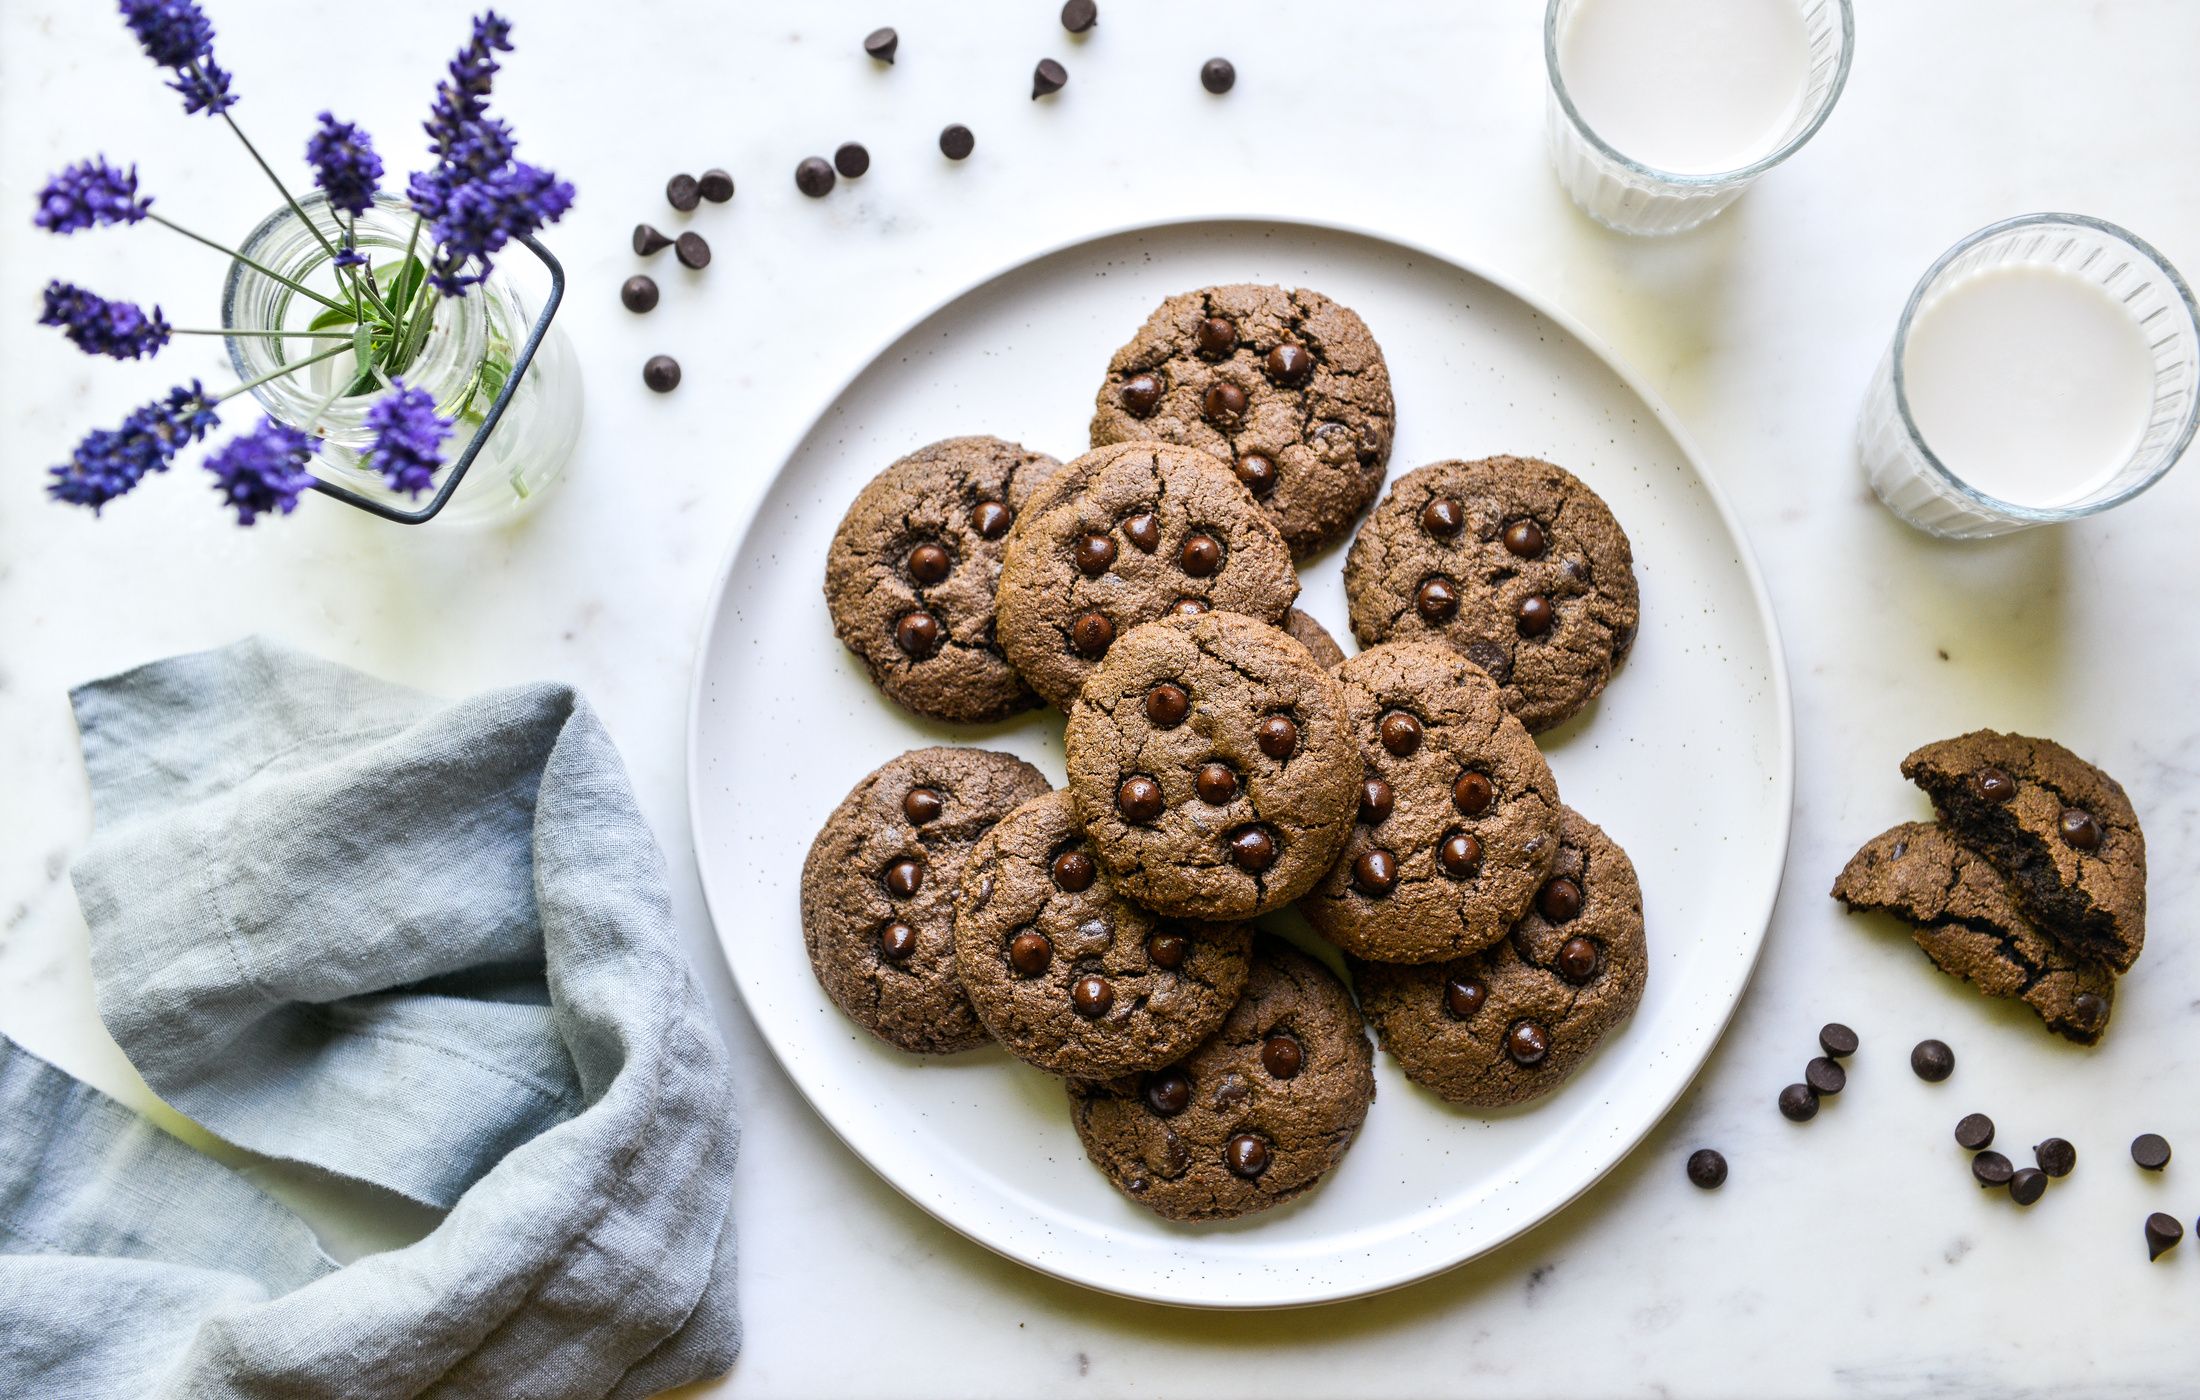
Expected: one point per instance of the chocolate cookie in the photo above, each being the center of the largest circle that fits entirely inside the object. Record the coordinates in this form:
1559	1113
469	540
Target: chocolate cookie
1069	975
1252	1118
1212	766
1458	818
878	891
1514	563
2059	828
1124	535
1508	1024
911	573
1287	386
1314	637
1964	915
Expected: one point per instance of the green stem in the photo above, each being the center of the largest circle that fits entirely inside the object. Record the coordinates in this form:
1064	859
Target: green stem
279	371
300	288
412	242
302	335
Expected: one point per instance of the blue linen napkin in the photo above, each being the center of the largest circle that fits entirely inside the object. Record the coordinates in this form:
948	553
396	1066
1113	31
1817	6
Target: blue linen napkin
414	942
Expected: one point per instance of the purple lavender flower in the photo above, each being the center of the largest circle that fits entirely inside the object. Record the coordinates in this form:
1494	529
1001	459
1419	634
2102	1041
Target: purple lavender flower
87	193
344	165
463	100
408	438
263	472
177	36
111	462
119	329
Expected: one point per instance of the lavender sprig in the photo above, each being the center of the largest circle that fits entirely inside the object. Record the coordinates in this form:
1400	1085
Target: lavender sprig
344	165
121	330
263	472
177	35
408	438
111	462
88	193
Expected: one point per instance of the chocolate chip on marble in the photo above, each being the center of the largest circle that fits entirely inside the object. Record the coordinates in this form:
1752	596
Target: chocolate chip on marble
648	241
1079	15
683	192
881	43
1707	1168
1992	1169
1218	75
2150	1151
2027	1185
661	373
814	177
692	250
715	186
1048	77
2163	1233
639	293
2056	1156
1974	1132
1798	1104
1824	1075
957	142
852	159
1932	1061
1837	1040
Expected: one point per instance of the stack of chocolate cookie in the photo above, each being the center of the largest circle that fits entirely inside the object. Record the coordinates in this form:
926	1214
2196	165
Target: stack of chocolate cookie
1225	761
2032	883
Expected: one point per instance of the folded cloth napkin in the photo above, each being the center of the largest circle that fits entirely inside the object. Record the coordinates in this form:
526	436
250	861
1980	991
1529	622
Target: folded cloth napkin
416	943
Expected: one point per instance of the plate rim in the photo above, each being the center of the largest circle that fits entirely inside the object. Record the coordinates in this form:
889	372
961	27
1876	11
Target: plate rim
1746	556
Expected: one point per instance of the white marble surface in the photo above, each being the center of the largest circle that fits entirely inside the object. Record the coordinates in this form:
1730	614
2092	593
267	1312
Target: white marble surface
1847	1257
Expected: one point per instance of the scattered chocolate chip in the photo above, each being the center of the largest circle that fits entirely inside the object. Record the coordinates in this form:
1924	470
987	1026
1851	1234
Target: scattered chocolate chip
1168	950
1472	794
1443	517
1144	531
922	804
896	941
661	373
1932	1061
692	250
1201	556
991	519
1095	554
1527	1043
917	634
2080	832
1030	953
1463	996
1166	705
1168	1092
2151	1151
648	241
1577	959
814	177
1707	1168
1253	848
2056	1157
956	142
639	293
1223	400
1281	1056
1218	75
1993	785
1079	15
1257	470
1400	733
1215	784
2163	1233
1837	1040
851	159
1992	1169
1798	1104
715	186
1375	872
683	192
1974	1132
1290	365
1558	900
1139	798
1216	335
1073	871
1048	77
1092	635
881	43
1141	394
929	563
1459	854
1247	1155
904	877
1437	599
1091	997
1535	615
1376	801
1524	538
2026	1185
1824	1075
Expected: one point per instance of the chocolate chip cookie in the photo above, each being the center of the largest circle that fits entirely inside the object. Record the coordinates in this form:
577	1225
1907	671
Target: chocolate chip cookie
878	891
1314	637
1069	975
1212	766
1964	914
2061	830
1513	562
1508	1024
1124	535
1285	385
1252	1118
911	574
1458	816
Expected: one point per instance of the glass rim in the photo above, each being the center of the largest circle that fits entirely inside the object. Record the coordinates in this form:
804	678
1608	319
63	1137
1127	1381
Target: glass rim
1712	179
2040	515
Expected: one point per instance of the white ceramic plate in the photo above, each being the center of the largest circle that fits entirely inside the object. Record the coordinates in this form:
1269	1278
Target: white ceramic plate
1687	761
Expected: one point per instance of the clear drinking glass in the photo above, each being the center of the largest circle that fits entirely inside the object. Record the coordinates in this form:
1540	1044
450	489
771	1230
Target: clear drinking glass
1919	487
1627	195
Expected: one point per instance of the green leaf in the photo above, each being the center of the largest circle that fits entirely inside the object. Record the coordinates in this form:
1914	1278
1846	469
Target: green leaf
334	316
494	373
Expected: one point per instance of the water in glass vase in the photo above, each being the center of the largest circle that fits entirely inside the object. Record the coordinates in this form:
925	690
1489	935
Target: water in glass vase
1692	87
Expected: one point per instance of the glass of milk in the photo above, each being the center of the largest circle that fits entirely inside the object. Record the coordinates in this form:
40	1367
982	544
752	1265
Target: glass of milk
1663	111
2046	368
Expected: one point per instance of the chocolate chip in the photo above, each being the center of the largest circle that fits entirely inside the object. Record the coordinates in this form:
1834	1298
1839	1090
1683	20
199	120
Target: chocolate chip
1167	950
1524	538
1824	1075
1798	1104
1932	1061
1218	75
1459	854
715	186
1290	365
1030	953
1215	784
896	941
1144	531
2087	1011
1277	736
1837	1040
1079	15
814	177
1257	470
1141	394
851	159
1400	732
2150	1151
956	142
661	373
1223	400
1139	798
991	519
1707	1168
1168	1092
1216	335
1047	77
1095	555
1246	1155
1074	871
692	251
1437	599
904	877
1463	996
2055	1156
1375	872
1974	1132
1558	900
917	634
1492	658
2026	1185
648	241
1091	997
881	43
639	293
928	563
1201	555
2163	1233
1993	785
683	192
1577	960
1375	801
2079	831
1472	794
1092	635
1527	1043
1187	607
1253	848
1443	517
1992	1169
1281	1056
922	804
1535	615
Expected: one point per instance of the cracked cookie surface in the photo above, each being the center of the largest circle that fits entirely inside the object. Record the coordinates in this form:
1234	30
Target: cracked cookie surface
1255	1116
878	888
1509	1024
1283	384
1511	561
1964	915
911	575
1212	766
1458	817
1070	976
1124	535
